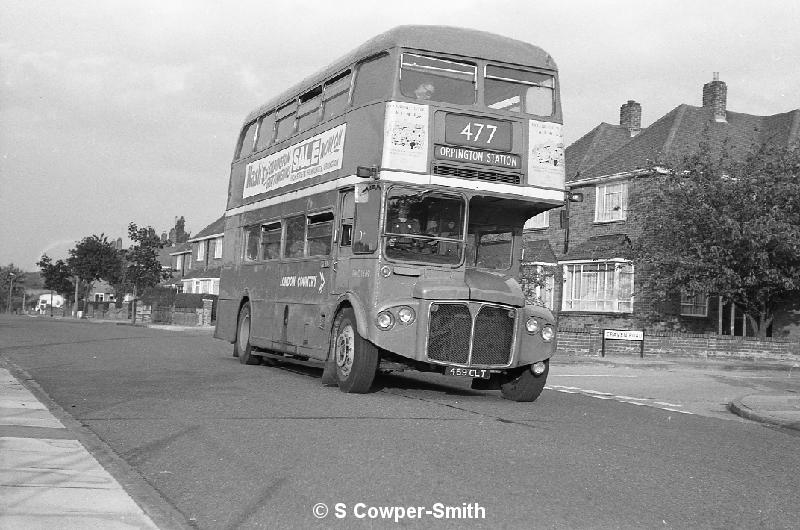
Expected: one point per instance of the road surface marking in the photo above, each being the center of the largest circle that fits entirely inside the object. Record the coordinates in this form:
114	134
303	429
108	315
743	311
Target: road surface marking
641	402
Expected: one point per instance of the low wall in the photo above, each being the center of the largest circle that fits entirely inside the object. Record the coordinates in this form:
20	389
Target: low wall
590	342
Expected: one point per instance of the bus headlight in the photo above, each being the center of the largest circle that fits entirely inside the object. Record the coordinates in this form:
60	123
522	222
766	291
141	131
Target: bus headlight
406	315
384	320
532	325
548	333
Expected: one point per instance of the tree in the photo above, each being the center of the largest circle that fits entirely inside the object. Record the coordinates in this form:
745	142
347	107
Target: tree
727	228
12	281
95	258
57	275
142	268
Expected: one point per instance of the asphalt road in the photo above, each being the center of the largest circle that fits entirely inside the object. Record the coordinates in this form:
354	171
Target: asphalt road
225	445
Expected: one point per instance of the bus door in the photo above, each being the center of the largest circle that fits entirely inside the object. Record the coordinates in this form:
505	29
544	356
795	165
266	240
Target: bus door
343	248
358	239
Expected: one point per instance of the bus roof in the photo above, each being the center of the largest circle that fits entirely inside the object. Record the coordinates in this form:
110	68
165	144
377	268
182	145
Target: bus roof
446	39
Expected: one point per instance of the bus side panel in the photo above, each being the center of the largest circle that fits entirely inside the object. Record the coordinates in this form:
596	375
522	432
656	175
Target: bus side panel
364	141
228	303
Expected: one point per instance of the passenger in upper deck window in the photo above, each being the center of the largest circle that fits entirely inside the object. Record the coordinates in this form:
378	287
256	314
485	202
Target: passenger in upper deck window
424	91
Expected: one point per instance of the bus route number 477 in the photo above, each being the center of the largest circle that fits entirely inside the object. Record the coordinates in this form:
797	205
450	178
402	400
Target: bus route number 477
467	131
457	371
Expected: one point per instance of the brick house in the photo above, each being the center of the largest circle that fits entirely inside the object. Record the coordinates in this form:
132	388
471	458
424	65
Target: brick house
586	242
200	263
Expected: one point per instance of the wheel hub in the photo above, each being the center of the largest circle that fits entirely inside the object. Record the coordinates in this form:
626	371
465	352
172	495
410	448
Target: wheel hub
345	345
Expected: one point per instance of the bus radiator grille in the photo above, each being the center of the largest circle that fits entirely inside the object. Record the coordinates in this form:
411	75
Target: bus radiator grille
449	333
468	173
494	334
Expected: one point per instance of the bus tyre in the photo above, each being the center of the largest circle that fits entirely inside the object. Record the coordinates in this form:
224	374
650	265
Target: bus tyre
242	348
522	385
356	358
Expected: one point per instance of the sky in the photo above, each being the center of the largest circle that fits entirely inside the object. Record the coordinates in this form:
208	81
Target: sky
114	112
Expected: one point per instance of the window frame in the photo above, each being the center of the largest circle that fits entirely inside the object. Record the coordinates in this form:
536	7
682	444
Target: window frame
246	235
270	226
268	118
250	126
602	212
284	114
309	104
332	90
691	302
540	221
569	300
330	218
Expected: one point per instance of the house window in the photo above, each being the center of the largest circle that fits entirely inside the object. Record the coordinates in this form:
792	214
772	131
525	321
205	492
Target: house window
201	251
179	262
602	287
611	203
218	248
541	220
694	305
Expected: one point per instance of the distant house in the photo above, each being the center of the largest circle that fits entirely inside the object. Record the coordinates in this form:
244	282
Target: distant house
200	264
596	283
174	259
101	291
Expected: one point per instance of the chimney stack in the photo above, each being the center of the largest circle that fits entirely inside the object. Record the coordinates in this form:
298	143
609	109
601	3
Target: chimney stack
630	117
715	96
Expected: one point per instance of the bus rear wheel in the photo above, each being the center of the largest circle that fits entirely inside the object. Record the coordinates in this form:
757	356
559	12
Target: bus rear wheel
523	385
242	348
356	358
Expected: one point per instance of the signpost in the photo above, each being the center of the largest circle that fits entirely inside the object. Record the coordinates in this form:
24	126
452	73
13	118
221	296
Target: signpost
619	334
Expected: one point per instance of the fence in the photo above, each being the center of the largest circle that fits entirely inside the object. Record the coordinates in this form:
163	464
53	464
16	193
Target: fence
205	315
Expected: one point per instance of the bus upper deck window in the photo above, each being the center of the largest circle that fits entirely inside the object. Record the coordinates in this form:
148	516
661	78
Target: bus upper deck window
248	138
519	90
285	121
373	80
335	95
308	111
429	78
265	131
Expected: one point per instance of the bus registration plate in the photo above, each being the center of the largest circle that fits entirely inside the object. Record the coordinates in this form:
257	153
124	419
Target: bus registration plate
458	371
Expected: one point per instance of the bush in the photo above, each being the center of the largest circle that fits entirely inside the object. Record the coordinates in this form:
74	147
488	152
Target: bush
158	296
193	300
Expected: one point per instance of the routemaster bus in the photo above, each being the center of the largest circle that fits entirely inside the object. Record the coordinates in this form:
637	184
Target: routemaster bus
375	213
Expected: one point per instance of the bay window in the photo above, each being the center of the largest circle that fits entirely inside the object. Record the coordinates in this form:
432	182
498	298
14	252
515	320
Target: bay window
598	286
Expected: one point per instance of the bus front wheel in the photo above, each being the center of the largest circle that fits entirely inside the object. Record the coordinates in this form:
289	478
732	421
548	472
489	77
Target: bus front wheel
356	358
523	385
242	348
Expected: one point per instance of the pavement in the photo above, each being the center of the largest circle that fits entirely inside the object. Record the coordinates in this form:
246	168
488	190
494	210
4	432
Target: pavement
49	479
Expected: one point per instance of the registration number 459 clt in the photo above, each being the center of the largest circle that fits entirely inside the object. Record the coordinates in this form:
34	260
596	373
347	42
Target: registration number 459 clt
457	371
